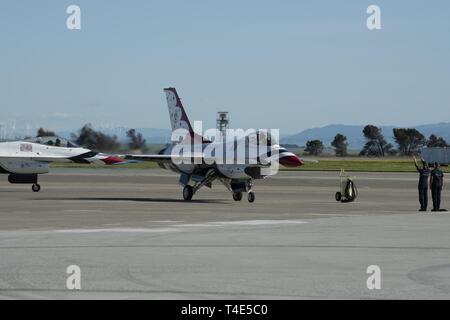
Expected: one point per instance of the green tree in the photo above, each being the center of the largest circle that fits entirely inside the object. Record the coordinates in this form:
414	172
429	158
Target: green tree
340	145
314	147
44	133
409	140
92	139
376	145
137	142
436	142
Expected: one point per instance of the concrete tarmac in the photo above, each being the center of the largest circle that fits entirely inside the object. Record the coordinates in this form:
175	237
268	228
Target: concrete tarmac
133	237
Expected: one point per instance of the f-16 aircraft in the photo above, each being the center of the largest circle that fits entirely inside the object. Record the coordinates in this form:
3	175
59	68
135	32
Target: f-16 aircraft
261	152
24	160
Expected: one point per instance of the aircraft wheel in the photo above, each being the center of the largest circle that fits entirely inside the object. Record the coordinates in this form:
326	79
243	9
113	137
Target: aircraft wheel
251	197
36	187
188	193
338	196
237	196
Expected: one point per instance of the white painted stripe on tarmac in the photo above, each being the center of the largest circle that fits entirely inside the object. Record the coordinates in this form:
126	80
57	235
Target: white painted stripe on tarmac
119	230
245	223
184	227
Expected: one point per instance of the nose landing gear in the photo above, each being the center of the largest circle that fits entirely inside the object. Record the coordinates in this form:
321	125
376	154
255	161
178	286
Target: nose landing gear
25	179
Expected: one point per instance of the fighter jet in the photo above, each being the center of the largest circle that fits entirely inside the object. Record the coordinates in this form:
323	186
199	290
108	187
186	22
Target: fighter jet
24	160
195	158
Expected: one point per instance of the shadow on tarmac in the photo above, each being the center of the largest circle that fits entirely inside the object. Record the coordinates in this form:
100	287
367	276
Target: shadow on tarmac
168	200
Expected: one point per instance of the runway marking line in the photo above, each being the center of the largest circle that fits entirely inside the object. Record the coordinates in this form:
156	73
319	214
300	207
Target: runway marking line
187	226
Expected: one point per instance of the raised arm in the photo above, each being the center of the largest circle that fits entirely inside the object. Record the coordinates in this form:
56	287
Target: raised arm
415	163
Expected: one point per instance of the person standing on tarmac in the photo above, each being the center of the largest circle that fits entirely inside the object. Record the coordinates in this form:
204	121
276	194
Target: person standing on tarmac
436	183
424	175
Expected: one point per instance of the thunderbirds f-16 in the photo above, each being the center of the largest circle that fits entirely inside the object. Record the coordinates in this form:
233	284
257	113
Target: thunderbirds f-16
198	159
24	160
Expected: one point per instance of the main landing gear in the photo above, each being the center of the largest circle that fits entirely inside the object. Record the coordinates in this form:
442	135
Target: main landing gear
240	188
36	187
237	196
237	187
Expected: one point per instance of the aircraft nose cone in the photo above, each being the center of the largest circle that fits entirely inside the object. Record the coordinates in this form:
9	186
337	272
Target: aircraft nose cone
291	161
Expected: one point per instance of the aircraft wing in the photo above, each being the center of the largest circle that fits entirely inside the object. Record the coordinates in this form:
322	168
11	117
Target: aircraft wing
33	158
167	158
161	158
149	157
91	157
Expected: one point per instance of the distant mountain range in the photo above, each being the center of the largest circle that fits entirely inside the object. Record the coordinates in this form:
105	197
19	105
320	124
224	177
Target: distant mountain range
355	136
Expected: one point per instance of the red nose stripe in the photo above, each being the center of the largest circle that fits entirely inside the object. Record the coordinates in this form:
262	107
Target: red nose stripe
291	161
112	160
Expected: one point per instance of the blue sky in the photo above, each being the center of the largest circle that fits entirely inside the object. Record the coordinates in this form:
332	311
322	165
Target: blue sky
272	64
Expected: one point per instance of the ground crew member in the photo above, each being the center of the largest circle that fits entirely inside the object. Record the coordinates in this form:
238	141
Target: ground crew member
436	183
424	175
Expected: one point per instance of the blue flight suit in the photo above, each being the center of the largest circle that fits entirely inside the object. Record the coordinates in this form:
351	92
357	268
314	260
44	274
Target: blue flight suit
436	188
424	175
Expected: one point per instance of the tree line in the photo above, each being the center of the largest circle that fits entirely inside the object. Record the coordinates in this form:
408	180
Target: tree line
93	139
409	141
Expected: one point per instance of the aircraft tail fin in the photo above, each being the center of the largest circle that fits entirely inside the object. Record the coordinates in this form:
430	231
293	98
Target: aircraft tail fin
178	116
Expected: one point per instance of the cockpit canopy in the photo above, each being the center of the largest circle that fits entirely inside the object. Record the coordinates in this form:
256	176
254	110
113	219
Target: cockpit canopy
262	137
54	141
